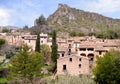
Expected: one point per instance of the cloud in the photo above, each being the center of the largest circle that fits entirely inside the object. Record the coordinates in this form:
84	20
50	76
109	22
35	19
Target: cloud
104	6
5	17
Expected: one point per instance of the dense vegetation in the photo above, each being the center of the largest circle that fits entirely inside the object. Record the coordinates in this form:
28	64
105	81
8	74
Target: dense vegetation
5	30
2	41
106	34
26	64
107	70
40	25
46	53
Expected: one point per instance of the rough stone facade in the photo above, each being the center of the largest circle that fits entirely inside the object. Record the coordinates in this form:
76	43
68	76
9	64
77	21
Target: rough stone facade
76	55
85	49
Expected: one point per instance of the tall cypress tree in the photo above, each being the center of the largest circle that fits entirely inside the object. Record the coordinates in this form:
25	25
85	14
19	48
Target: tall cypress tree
54	48
37	46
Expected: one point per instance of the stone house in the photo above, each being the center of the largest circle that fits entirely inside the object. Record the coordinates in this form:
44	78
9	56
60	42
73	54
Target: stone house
30	40
78	55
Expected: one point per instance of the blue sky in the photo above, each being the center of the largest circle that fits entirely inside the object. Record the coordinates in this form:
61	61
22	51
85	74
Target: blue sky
24	12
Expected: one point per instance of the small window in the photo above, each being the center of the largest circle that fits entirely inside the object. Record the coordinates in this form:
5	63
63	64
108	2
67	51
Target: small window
69	50
42	41
82	49
90	49
70	59
62	54
100	52
69	45
29	40
91	59
80	59
79	65
64	67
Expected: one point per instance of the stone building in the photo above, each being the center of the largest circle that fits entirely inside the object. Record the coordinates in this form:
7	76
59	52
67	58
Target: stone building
78	55
30	40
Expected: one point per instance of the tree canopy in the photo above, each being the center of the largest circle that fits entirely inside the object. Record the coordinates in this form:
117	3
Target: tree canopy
41	20
46	52
5	30
26	64
40	25
107	70
2	41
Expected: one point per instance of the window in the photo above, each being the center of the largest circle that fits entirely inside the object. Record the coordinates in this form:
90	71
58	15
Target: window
90	49
69	45
80	59
91	59
79	65
69	50
100	52
62	54
64	67
29	40
82	49
42	41
70	59
82	54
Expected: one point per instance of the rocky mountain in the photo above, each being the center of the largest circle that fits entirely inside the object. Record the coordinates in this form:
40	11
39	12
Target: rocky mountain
69	19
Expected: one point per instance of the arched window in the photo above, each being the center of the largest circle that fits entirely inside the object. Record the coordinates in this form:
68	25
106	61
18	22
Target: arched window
91	56
82	54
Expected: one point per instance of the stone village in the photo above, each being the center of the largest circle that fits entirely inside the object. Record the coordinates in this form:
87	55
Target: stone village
76	55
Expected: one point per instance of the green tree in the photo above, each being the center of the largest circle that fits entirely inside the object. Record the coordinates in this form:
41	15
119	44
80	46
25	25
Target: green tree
40	25
26	64
5	30
41	21
80	34
54	51
26	28
37	46
109	34
46	52
72	34
2	41
107	70
54	47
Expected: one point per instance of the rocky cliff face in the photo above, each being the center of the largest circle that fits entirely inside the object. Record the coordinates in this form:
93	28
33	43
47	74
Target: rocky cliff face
70	19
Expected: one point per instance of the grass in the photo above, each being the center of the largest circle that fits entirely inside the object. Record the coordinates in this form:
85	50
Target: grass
3	80
68	79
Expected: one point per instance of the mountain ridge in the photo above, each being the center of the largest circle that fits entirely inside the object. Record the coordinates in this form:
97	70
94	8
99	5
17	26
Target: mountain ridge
71	19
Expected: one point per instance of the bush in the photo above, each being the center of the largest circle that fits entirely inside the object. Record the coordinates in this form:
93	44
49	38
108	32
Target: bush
108	34
5	30
9	55
73	34
2	41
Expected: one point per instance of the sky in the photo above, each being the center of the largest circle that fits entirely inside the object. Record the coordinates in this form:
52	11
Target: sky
23	12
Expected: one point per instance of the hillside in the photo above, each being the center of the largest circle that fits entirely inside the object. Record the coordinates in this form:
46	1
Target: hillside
69	19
